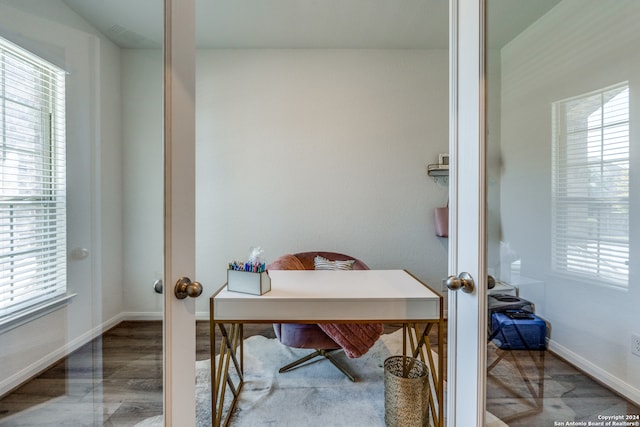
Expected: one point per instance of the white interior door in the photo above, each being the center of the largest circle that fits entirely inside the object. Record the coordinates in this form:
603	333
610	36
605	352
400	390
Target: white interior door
570	253
179	197
467	311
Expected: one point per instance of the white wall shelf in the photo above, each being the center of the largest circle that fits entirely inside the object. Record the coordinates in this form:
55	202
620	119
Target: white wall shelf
438	172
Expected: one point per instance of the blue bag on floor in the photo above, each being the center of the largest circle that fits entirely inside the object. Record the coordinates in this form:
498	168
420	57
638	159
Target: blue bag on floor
518	330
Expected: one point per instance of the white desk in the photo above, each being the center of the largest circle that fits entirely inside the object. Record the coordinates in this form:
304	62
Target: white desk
313	296
316	296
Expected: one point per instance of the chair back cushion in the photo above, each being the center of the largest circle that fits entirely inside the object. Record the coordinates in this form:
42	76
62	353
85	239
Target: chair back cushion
286	262
306	258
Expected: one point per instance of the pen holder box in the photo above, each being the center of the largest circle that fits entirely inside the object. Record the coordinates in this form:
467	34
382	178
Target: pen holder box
248	282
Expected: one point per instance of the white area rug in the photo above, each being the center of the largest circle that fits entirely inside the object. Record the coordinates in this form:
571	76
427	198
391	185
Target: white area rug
314	395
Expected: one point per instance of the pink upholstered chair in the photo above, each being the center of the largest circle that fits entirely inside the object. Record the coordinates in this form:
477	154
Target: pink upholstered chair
311	336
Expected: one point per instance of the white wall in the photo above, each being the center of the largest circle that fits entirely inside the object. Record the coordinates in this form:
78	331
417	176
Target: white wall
94	184
143	174
494	162
576	48
297	150
302	150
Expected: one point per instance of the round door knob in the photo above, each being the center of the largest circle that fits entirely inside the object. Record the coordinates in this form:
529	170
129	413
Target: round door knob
491	282
464	281
186	288
157	286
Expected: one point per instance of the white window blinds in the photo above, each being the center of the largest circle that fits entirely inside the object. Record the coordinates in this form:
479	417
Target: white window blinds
32	181
590	230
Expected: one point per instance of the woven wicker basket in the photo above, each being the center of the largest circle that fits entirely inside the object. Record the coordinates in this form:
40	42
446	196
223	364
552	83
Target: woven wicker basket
406	394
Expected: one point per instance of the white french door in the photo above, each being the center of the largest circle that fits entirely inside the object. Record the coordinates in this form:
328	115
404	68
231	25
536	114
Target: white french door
179	216
542	199
467	311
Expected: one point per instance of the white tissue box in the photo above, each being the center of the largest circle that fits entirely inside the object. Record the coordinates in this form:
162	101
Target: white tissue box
248	282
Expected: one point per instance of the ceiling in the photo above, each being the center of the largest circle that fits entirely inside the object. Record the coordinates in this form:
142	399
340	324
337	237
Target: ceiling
237	24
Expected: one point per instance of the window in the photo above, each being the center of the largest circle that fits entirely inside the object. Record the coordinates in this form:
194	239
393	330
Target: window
591	186
32	182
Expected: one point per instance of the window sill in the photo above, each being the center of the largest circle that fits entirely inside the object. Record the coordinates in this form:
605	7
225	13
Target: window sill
14	320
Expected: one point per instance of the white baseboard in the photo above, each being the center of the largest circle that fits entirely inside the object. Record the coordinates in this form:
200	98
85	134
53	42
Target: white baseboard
143	315
625	389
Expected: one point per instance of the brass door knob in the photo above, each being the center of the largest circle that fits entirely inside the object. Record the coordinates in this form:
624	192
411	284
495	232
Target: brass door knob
464	281
186	288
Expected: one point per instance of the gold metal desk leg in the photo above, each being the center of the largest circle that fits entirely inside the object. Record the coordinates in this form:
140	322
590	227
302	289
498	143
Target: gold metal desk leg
421	348
222	378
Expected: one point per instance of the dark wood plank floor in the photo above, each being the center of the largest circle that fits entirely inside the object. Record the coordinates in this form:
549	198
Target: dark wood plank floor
116	380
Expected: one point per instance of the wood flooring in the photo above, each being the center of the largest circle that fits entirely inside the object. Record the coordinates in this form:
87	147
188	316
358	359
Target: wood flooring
116	380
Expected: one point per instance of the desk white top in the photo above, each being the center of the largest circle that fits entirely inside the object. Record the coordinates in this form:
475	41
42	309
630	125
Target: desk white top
317	296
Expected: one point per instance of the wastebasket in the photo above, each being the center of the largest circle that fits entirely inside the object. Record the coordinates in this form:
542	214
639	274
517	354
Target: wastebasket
406	392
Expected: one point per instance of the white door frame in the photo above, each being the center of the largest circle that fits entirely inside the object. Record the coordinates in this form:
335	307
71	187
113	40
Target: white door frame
179	211
467	232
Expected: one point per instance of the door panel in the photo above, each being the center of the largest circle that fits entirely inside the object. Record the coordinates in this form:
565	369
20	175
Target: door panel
467	316
112	132
561	140
179	132
558	95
